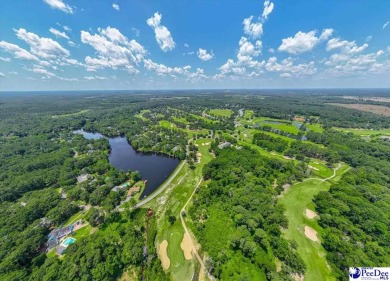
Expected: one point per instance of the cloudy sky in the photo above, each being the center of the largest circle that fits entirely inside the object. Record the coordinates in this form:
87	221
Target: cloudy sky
180	44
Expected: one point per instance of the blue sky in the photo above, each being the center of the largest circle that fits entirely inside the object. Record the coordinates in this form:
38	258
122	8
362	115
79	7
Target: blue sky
122	44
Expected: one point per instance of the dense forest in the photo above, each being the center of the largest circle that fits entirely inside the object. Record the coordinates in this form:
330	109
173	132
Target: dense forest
41	159
241	202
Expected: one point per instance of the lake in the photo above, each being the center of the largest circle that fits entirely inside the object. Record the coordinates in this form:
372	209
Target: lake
155	168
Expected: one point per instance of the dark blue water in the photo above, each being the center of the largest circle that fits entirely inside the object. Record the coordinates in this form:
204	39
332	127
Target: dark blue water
155	168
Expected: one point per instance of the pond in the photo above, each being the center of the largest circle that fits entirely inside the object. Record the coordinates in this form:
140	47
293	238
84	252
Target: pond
155	168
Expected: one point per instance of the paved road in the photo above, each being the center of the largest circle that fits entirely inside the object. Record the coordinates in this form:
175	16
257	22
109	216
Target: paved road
161	188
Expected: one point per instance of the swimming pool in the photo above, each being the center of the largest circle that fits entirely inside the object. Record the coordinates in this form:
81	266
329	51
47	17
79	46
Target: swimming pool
68	241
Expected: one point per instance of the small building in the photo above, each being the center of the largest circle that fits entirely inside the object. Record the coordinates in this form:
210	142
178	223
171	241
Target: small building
385	138
241	112
132	190
56	234
117	188
223	145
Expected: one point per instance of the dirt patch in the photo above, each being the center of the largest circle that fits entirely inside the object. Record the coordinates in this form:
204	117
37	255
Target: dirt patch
186	246
311	233
376	109
288	158
380	99
310	214
298	277
165	262
202	274
314	168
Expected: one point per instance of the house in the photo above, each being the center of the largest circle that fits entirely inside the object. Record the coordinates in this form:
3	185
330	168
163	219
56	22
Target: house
134	189
223	145
117	188
56	234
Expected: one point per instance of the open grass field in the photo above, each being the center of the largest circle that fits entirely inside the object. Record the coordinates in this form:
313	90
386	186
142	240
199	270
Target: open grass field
297	199
315	128
221	112
173	199
375	109
320	169
191	133
141	114
365	132
167	124
71	114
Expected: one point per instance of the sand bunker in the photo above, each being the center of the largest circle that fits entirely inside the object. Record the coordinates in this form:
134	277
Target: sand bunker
311	233
186	246
288	158
165	262
310	214
198	154
314	168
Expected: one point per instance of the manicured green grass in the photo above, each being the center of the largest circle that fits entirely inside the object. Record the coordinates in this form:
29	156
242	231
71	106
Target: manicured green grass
51	254
365	132
141	114
248	114
142	185
180	120
323	170
191	133
82	232
315	128
167	124
221	112
173	199
71	114
79	215
296	199
207	120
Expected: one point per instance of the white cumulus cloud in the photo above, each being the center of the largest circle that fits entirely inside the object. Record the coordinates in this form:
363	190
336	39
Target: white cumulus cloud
162	34
268	7
115	6
204	55
40	46
303	42
59	5
114	50
18	52
58	33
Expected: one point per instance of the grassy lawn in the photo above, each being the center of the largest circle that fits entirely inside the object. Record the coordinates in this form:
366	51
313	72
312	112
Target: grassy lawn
296	200
180	120
221	112
79	215
142	185
323	170
82	232
248	114
173	199
315	128
364	132
71	114
141	114
167	124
